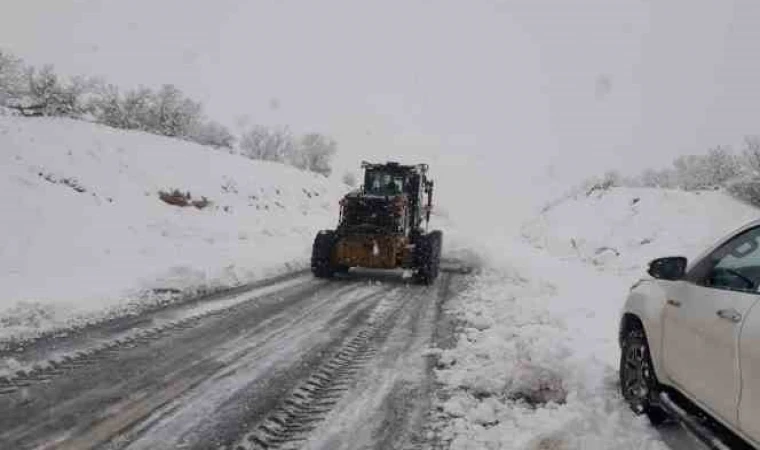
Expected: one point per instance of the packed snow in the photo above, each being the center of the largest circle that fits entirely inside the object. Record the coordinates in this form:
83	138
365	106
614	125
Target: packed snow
85	234
535	363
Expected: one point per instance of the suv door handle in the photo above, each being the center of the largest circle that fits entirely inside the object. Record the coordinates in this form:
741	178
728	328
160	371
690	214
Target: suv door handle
675	303
729	314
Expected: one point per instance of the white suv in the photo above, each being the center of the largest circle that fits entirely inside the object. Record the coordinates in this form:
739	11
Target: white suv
690	335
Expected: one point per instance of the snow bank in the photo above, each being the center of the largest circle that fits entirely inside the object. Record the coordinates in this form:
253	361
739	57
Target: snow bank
85	234
623	228
535	364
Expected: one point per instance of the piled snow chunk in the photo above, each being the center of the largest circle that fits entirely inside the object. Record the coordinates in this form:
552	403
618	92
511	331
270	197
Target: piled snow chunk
533	379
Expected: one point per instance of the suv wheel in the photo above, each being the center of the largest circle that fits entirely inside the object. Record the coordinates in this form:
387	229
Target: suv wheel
638	382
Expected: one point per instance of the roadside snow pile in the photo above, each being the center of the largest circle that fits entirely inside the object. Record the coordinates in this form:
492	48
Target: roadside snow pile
536	361
533	369
103	221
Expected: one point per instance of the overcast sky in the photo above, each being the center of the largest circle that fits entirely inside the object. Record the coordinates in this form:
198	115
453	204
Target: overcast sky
510	87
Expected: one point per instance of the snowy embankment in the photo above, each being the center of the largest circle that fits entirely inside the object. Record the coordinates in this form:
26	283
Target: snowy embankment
535	365
85	235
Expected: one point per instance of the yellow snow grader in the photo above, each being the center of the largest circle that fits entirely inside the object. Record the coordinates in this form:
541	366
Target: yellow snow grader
383	225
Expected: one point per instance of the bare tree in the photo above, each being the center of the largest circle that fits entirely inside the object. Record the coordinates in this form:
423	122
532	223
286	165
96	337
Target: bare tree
723	165
45	92
12	78
751	154
658	178
312	151
695	172
172	114
49	95
137	109
130	111
82	92
268	144
166	111
315	153
108	107
213	134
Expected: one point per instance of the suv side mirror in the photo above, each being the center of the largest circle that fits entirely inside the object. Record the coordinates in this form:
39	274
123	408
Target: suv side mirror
669	268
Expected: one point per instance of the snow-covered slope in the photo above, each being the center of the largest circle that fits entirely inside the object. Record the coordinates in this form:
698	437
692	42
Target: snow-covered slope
535	364
626	227
84	232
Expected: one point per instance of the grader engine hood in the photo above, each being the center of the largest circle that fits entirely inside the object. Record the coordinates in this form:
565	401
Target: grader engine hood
371	232
363	213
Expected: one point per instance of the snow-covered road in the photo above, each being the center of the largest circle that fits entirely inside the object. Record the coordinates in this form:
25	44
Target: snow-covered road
326	364
102	341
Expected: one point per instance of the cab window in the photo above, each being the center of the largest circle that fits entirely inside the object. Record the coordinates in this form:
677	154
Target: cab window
380	183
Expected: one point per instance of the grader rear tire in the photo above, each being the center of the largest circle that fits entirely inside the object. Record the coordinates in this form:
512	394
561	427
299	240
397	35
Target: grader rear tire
428	257
321	255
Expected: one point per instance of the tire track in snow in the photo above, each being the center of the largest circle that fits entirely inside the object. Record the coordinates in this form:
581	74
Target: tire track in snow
259	365
298	360
388	406
39	348
300	412
62	364
90	394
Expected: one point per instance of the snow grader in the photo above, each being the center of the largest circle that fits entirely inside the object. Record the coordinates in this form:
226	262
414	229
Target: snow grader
383	225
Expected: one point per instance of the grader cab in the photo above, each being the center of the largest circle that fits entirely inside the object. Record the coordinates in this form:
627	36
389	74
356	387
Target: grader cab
383	225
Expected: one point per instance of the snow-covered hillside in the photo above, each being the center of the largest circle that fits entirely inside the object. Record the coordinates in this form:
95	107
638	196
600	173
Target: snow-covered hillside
85	234
535	364
626	227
